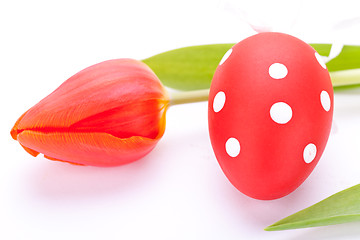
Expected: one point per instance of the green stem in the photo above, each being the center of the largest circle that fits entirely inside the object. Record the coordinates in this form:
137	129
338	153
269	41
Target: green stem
345	77
338	79
189	96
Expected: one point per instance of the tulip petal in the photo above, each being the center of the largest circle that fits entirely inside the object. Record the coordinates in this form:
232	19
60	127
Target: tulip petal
15	130
58	160
30	151
96	149
108	114
126	121
100	90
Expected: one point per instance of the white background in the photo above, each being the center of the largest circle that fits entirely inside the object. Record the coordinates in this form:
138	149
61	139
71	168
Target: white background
178	191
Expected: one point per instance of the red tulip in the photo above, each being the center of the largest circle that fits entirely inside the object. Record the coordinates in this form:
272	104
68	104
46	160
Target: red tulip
108	114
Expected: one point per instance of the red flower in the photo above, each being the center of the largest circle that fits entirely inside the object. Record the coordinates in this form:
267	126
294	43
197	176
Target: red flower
108	114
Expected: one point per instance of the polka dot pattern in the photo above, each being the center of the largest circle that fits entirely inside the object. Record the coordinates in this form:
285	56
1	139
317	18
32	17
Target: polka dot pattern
270	113
325	100
232	147
281	112
309	153
278	71
219	101
226	56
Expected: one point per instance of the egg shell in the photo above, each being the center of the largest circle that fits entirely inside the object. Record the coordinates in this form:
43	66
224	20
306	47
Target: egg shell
270	113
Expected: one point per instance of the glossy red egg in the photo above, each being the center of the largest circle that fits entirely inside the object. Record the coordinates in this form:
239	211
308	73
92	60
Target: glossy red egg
270	113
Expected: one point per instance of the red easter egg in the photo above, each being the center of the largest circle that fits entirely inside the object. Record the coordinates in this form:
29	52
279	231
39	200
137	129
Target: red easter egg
270	113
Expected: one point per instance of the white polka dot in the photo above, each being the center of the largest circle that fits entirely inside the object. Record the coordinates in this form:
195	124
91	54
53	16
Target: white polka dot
325	100
219	101
320	60
226	56
281	112
309	153
278	71
232	147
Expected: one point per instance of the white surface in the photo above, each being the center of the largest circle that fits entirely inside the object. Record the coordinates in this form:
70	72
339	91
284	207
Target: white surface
278	71
281	112
178	191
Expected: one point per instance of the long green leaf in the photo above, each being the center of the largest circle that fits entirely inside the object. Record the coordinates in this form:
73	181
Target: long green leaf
339	208
192	68
189	68
349	58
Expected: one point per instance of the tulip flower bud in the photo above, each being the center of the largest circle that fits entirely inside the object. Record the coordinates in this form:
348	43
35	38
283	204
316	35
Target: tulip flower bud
108	114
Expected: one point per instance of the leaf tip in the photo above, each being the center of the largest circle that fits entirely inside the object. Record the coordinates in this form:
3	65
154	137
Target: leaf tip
271	228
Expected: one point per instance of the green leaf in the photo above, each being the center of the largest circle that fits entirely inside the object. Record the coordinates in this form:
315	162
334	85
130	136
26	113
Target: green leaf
189	68
339	208
349	58
192	68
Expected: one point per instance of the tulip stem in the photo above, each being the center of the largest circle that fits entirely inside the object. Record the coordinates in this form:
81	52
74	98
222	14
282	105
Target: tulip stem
338	78
345	77
189	96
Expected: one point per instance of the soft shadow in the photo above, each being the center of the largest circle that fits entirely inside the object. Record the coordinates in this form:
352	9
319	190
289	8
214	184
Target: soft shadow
346	103
57	180
352	89
341	231
262	213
